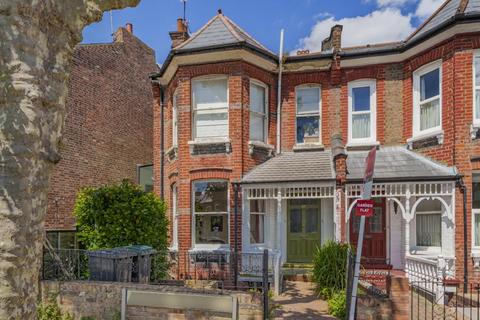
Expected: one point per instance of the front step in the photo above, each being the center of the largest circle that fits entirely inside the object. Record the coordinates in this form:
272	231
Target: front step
298	272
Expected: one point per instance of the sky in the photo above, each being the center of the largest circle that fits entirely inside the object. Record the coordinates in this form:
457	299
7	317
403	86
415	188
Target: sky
306	22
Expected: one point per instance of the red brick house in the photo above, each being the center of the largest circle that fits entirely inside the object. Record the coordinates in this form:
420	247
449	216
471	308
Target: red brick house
293	170
108	129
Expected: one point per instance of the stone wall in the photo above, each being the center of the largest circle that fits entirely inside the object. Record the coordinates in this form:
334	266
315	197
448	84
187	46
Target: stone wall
102	300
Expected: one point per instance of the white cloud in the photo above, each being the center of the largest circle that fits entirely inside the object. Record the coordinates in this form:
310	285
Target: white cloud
427	7
392	3
383	25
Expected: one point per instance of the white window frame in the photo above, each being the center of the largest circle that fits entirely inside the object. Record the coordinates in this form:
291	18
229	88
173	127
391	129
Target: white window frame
309	114
206	246
416	99
430	248
475	211
174	243
174	120
264	220
476	86
372	84
264	115
217	110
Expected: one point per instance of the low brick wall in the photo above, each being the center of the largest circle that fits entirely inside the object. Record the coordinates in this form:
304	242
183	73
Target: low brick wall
102	300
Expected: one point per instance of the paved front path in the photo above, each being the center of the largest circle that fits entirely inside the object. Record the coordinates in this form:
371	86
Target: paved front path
298	301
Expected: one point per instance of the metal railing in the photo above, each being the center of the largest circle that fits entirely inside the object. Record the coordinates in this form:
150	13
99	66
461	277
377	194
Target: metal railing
456	302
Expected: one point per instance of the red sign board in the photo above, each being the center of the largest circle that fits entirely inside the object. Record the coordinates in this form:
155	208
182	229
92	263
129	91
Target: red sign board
364	207
369	165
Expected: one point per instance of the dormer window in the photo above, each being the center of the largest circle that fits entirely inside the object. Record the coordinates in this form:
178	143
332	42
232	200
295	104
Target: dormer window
258	111
210	108
308	103
362	105
427	101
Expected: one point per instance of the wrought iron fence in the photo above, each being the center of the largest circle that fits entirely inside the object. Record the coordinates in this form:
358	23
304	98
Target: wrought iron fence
444	300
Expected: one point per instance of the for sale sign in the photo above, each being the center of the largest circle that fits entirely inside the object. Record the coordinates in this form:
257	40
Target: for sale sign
364	207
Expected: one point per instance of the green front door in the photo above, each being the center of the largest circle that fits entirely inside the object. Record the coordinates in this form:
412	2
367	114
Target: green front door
303	230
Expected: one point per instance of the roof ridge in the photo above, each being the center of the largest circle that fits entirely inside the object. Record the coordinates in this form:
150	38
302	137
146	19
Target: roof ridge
246	33
428	20
230	28
196	34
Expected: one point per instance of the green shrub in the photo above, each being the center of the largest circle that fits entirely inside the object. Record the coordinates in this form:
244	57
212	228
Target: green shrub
337	304
120	215
51	311
330	268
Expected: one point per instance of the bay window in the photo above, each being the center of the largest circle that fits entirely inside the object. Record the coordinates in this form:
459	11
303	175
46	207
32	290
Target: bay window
476	87
257	221
362	112
476	209
258	112
308	120
210	210
427	99
428	219
210	108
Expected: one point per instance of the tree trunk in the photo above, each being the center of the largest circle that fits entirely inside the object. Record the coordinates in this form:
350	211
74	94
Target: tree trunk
37	38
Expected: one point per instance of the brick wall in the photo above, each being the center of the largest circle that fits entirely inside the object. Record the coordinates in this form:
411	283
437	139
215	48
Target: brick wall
108	128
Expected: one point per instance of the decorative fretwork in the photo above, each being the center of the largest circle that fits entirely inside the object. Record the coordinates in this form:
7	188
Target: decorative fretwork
407	189
306	192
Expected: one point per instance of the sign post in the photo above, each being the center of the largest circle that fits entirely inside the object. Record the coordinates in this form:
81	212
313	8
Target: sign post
364	208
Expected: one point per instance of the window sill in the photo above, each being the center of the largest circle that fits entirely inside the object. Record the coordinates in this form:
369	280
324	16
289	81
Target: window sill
263	147
173	249
352	146
476	257
172	153
426	140
308	147
475	131
210	248
210	146
426	252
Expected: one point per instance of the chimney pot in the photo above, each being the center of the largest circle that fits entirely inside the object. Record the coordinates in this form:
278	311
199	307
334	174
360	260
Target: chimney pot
181	25
129	28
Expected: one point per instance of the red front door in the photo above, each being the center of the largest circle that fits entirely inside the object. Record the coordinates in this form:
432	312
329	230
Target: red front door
374	241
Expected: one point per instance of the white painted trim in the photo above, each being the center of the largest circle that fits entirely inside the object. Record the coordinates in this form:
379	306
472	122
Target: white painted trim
174	224
175	120
475	86
372	84
200	247
192	95
267	109
417	133
310	85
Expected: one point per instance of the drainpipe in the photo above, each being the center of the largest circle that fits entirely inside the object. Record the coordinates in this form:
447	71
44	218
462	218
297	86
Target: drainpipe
235	232
279	93
463	189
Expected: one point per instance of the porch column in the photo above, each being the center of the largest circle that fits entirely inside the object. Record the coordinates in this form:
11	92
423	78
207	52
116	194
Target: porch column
279	219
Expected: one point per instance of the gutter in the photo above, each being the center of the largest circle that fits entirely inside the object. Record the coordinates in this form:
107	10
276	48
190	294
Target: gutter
222	47
287	181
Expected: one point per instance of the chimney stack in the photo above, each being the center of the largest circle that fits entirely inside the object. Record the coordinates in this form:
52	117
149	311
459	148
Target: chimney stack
334	41
129	27
181	35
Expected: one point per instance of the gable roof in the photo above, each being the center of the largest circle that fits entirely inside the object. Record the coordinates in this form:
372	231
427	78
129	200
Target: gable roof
398	163
446	13
220	30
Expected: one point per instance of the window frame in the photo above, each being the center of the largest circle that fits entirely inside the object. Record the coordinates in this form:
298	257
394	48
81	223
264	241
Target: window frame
207	246
256	113
360	83
264	214
174	242
429	248
417	74
475	86
175	120
309	114
475	211
194	110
